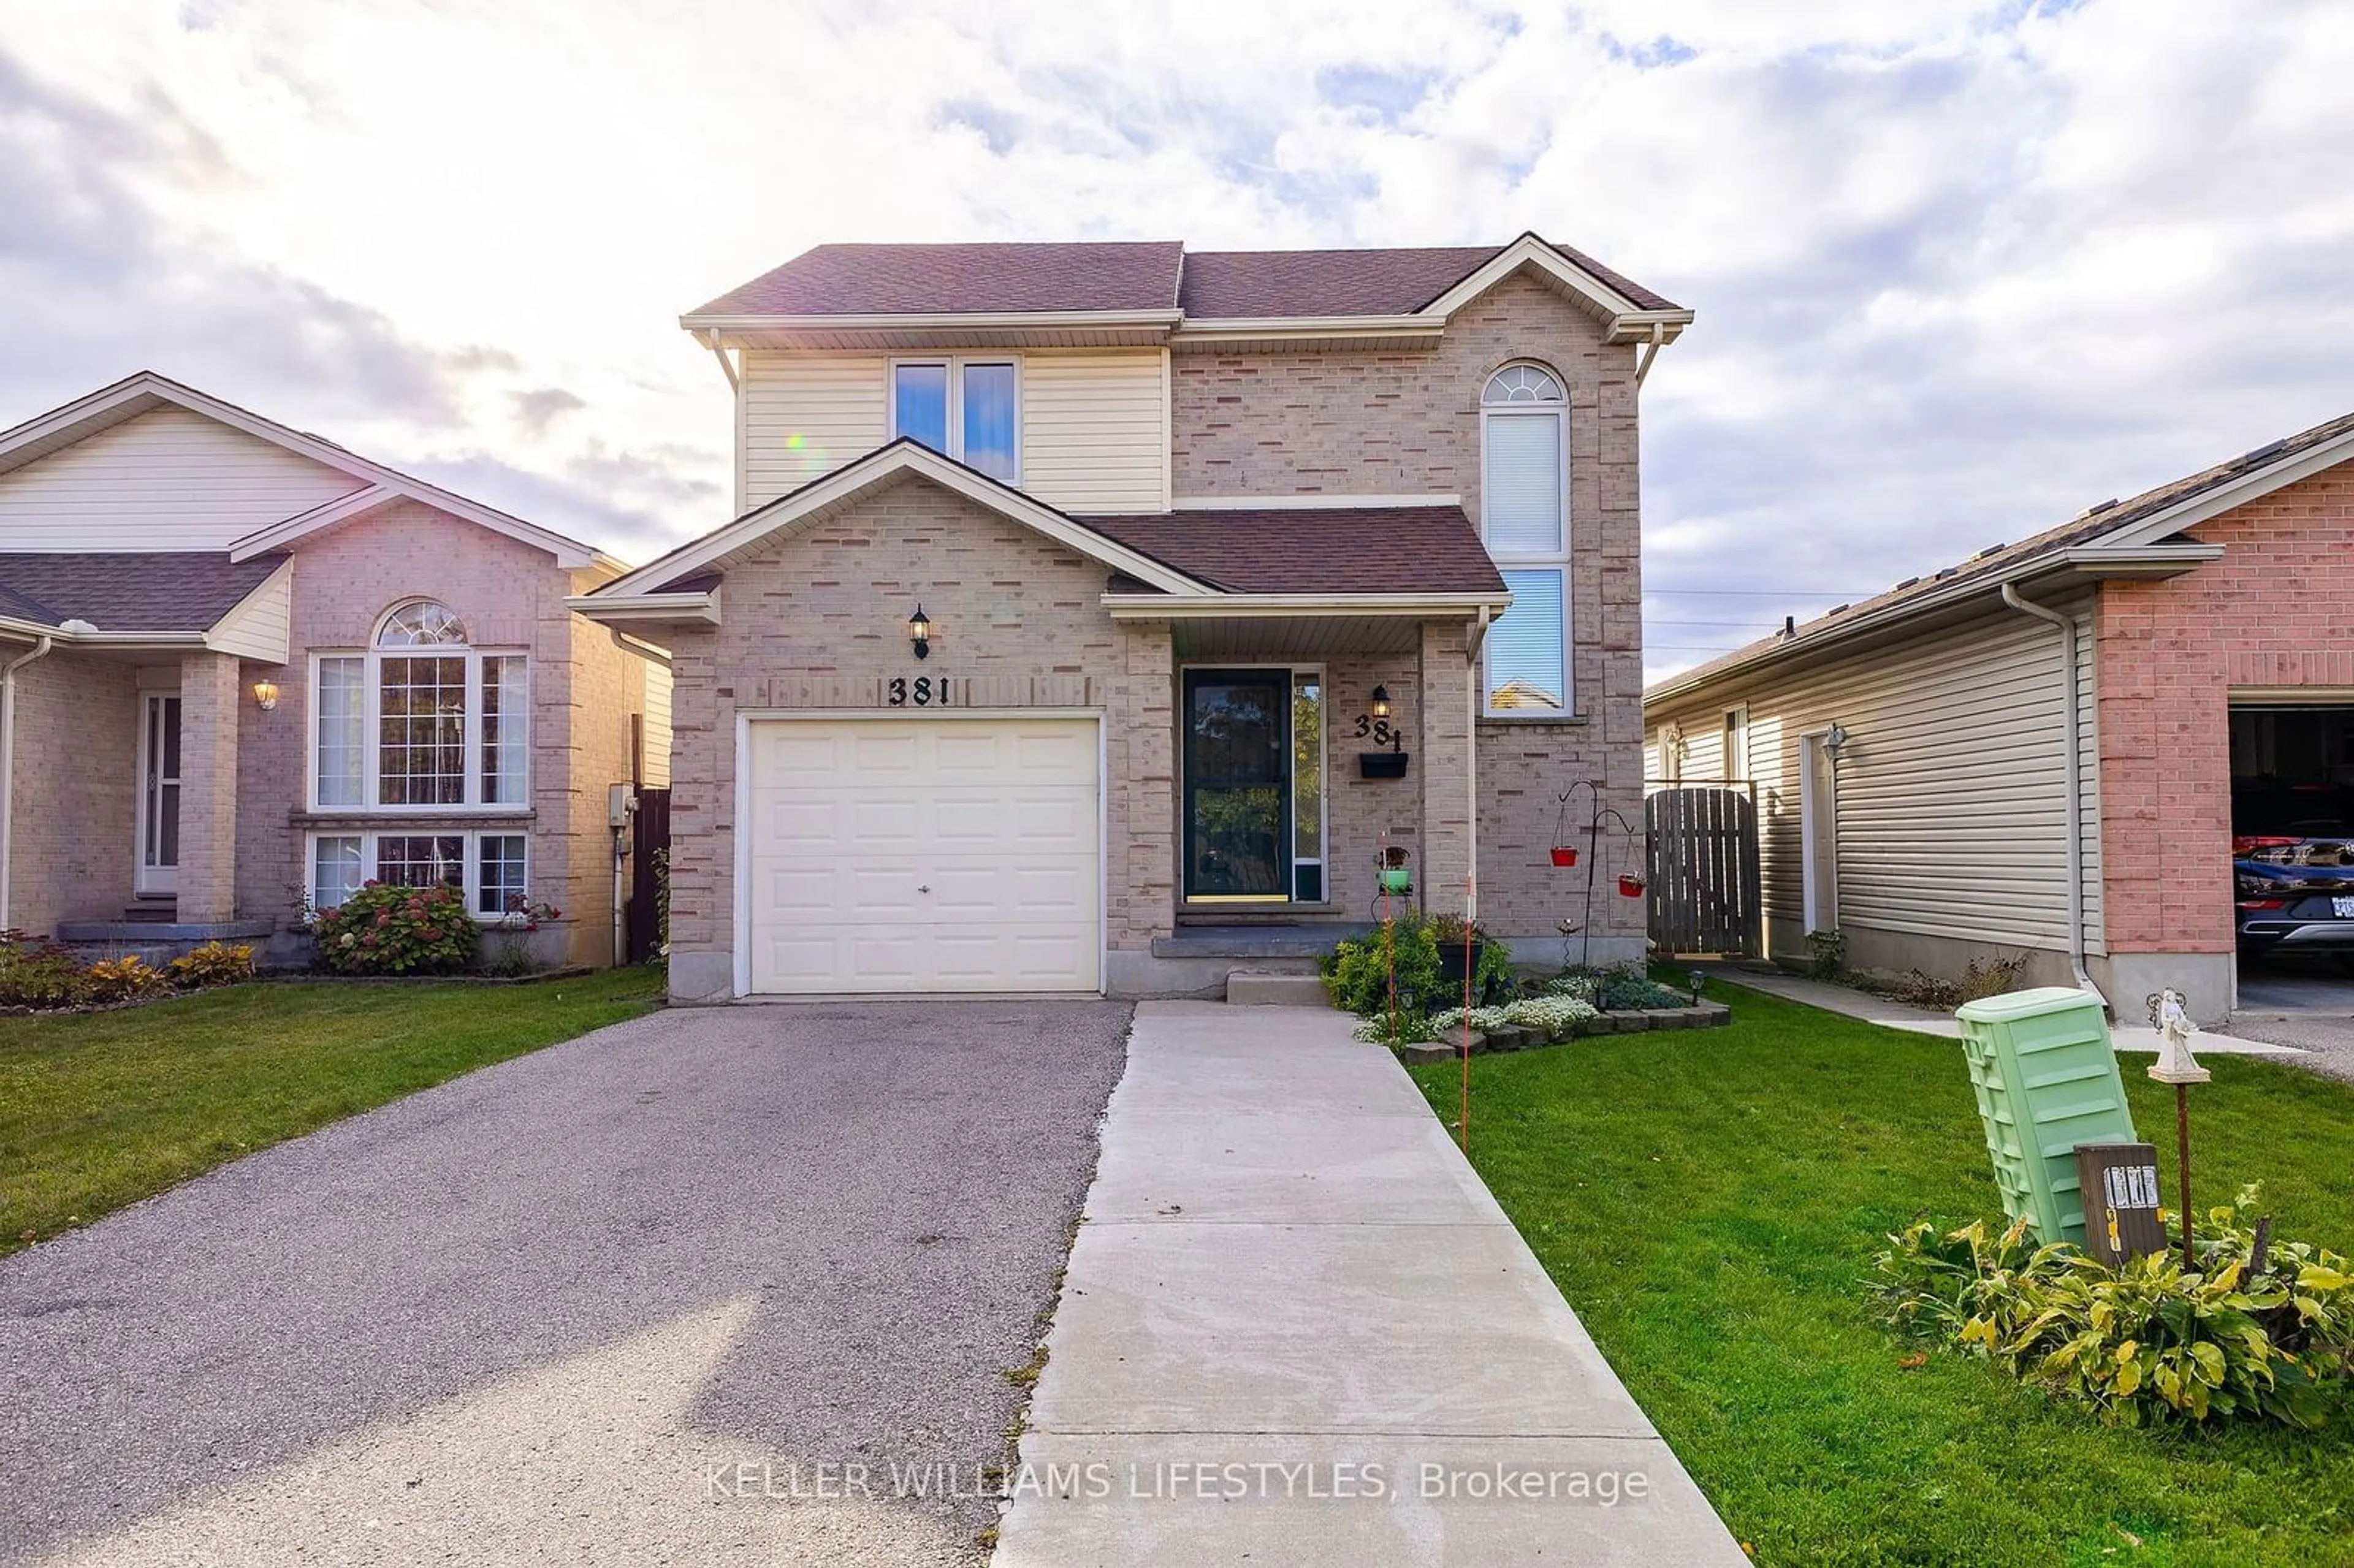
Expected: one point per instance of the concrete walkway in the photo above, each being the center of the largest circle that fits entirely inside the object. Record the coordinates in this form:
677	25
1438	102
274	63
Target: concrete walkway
1852	1003
1297	1329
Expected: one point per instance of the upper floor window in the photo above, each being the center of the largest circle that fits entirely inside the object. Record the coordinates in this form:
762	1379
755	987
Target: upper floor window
1524	517
422	718
965	408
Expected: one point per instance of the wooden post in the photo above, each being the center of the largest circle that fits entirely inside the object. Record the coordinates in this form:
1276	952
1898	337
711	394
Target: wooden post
2182	1147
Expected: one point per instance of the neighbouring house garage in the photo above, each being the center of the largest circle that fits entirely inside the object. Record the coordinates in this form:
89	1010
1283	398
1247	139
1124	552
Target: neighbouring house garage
1913	758
923	855
2292	771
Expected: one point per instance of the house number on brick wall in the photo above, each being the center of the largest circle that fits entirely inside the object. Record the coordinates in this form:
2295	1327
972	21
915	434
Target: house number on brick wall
923	691
1382	732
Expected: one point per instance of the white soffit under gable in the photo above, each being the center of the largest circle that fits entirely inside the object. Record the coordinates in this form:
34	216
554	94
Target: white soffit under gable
902	458
2238	491
146	391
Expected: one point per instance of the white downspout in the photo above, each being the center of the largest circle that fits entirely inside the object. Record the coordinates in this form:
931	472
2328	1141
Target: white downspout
2072	728
8	771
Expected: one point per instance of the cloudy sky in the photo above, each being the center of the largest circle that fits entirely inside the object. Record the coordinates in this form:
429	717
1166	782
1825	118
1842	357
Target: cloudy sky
1961	269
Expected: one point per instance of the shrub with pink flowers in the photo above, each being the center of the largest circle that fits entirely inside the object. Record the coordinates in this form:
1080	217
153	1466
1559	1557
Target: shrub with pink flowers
386	930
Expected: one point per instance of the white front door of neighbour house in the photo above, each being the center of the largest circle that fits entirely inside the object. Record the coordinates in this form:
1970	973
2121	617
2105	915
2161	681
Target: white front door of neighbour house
1818	832
892	854
159	793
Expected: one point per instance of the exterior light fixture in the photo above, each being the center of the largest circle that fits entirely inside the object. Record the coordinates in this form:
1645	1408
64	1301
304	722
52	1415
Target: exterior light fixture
265	695
1381	702
920	632
1836	737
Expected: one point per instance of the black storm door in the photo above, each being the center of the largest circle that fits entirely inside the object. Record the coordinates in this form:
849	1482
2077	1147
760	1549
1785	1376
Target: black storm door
1238	784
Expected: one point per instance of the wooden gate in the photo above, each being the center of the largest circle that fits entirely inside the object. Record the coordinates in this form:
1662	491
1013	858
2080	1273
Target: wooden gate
1703	895
649	836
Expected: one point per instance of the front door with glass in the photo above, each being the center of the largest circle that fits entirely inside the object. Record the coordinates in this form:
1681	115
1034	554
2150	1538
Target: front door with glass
159	793
1254	771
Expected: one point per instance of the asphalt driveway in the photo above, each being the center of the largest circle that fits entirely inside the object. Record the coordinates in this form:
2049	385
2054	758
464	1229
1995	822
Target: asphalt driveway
624	1300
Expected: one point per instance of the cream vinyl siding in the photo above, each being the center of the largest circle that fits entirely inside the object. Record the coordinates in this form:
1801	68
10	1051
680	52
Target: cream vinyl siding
169	479
1095	431
1093	423
260	627
657	726
1951	788
805	415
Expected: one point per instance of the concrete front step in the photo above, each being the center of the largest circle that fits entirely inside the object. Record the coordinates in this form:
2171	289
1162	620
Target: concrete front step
1247	988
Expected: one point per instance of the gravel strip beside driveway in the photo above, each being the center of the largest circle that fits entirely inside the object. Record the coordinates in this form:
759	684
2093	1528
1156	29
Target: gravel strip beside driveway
522	1317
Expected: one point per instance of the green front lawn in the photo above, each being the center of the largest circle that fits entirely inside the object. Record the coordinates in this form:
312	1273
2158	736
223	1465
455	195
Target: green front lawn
1710	1203
101	1109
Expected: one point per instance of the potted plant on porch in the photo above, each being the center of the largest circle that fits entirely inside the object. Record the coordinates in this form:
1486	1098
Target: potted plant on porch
1462	945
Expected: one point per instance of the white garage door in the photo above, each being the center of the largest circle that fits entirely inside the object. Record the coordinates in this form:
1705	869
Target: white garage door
913	854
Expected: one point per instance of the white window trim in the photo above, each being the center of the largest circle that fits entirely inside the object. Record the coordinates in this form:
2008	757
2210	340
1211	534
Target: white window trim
470	857
956	364
1556	559
1736	723
371	730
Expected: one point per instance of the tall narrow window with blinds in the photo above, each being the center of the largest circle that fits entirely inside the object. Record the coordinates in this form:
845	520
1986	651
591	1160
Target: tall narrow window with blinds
1524	508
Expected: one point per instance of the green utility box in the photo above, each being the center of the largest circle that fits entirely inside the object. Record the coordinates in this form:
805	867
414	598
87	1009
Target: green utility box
2046	1076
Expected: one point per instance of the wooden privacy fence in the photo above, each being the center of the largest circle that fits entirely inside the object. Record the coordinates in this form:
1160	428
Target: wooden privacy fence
649	836
1703	894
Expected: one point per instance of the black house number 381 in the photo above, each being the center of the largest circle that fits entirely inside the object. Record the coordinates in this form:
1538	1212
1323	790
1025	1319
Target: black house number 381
1381	731
923	691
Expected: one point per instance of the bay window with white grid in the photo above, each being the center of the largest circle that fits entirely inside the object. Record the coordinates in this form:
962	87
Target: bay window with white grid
422	722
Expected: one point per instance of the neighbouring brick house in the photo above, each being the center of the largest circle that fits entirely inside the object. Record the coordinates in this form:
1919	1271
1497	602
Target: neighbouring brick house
246	669
1096	614
2203	671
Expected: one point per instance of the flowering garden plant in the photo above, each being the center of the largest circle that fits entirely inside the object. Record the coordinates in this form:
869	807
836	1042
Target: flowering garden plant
382	929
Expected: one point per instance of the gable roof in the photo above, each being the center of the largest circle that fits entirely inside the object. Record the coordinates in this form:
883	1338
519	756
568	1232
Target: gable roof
1159	281
127	591
1316	550
685	571
2137	536
146	391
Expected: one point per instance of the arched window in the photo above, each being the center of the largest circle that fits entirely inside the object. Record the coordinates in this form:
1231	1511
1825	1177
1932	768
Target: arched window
1525	518
422	720
422	624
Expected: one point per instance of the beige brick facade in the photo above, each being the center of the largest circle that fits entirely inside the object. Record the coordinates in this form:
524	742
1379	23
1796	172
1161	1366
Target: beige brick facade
210	692
1407	422
73	805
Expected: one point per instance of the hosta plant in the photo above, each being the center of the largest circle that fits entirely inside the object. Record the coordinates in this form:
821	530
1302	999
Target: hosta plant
215	963
2241	1335
382	929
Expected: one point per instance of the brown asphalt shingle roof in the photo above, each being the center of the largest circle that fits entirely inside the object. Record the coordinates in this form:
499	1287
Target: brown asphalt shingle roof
937	280
941	280
165	591
2080	530
1341	549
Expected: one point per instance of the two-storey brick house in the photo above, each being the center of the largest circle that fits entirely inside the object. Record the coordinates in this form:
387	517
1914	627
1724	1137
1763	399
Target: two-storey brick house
1089	601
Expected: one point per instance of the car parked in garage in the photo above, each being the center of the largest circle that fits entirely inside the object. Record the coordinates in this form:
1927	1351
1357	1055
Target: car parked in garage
2294	894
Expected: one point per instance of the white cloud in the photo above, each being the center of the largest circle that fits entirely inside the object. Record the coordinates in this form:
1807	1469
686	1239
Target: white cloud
1961	268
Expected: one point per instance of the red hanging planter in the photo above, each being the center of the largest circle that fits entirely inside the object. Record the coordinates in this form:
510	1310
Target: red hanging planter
1632	886
1563	854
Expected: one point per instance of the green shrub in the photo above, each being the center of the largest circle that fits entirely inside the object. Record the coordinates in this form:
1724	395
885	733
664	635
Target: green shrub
2147	1343
1357	971
215	963
39	973
386	930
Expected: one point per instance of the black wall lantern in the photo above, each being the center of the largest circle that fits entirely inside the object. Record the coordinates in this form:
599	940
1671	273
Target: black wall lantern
920	632
1381	702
